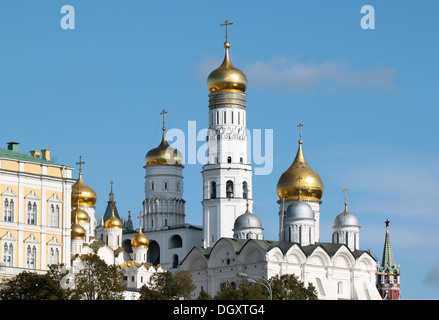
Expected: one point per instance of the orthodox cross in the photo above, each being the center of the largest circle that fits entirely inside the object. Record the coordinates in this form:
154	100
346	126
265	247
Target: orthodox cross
140	220
300	131
163	113
345	195
80	163
111	182
227	23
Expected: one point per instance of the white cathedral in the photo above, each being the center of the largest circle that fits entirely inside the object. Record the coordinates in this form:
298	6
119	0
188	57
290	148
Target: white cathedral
231	239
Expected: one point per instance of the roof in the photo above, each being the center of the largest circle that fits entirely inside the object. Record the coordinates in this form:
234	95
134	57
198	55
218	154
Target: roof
14	155
266	245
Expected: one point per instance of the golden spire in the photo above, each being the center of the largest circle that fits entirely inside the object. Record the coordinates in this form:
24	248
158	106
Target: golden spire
82	194
227	77
140	240
78	232
113	222
299	179
164	154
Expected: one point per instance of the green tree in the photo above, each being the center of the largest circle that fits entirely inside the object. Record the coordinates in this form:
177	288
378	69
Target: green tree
204	296
98	281
245	291
32	286
168	286
288	287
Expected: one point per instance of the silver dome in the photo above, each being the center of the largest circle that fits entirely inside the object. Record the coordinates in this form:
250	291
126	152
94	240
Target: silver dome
346	219
247	220
299	210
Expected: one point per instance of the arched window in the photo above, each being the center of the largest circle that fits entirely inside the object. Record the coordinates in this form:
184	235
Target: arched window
175	261
225	118
229	159
240	160
213	190
229	189
175	242
244	190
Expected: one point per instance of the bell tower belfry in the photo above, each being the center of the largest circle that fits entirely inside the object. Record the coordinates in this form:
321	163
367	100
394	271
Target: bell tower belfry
227	175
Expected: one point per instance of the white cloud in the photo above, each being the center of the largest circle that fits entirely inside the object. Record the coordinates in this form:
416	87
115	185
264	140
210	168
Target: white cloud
433	277
283	73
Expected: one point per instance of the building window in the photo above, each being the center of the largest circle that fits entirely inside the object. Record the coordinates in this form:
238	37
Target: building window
213	190
232	117
31	213
166	185
175	242
244	190
217	117
240	160
229	159
54	216
8	250
8	210
152	185
54	256
31	254
225	118
229	189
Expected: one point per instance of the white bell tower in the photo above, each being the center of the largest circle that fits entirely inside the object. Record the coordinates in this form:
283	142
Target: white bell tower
227	176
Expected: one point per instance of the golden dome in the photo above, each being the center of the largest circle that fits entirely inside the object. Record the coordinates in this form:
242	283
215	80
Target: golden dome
227	77
113	222
80	215
139	240
82	194
78	232
300	176
164	154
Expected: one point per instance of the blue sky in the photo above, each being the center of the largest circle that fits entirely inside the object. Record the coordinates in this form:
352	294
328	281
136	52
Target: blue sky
367	98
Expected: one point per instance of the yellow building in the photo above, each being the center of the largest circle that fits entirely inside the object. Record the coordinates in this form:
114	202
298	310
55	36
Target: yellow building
35	207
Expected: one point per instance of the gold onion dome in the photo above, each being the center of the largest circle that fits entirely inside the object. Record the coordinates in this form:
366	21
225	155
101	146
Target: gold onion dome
82	194
163	154
80	215
139	240
227	77
299	176
113	222
78	232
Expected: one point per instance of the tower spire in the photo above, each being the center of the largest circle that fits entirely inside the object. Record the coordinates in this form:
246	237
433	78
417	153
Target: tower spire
387	261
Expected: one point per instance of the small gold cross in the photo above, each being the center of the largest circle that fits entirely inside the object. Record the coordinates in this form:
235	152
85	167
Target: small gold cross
227	23
80	163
